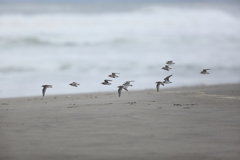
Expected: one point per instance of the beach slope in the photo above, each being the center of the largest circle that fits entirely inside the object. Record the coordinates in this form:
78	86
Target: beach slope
201	122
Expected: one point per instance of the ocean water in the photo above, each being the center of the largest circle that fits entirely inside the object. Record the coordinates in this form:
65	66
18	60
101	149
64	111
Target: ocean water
57	44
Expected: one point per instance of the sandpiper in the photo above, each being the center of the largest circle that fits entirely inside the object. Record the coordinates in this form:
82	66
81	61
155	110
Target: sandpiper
120	89
169	62
204	71
127	83
74	84
113	75
166	80
167	68
106	82
158	84
44	88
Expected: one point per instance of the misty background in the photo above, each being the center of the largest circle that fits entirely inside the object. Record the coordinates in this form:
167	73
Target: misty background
58	42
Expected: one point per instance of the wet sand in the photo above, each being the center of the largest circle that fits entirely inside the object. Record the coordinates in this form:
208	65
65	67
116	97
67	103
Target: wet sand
201	122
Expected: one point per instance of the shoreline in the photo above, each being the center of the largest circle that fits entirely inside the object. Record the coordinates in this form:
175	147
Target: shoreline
130	90
200	122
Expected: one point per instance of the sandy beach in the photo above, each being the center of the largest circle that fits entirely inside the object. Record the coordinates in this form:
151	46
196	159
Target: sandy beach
201	122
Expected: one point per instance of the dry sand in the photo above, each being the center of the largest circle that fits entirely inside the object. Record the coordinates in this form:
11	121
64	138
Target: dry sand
181	123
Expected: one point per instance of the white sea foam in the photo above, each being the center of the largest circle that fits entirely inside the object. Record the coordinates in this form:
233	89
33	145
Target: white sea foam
58	48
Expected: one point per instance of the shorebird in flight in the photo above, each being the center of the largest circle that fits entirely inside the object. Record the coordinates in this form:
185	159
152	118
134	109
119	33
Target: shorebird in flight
127	83
113	75
158	85
204	71
166	80
169	62
44	88
167	68
120	89
74	84
106	82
